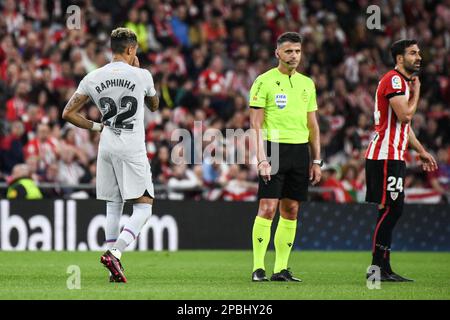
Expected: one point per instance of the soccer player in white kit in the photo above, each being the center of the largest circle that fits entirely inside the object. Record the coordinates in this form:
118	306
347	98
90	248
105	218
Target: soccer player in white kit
120	90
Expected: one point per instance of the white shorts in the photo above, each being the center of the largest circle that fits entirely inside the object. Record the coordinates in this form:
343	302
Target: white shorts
120	179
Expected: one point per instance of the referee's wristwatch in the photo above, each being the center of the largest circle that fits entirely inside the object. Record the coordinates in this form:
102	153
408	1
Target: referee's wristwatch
318	162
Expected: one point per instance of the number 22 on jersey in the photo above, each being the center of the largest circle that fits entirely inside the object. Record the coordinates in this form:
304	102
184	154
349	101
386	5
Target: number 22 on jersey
119	118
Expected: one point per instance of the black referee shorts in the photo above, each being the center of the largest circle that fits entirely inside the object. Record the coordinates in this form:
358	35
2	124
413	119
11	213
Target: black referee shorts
292	178
385	181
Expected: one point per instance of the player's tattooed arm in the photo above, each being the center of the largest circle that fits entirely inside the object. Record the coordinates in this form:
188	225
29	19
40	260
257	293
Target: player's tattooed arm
72	113
152	102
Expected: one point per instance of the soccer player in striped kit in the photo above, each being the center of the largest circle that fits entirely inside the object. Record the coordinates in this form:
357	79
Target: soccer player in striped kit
396	102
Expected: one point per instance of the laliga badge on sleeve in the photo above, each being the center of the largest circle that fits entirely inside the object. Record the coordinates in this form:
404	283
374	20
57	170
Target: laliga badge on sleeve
396	82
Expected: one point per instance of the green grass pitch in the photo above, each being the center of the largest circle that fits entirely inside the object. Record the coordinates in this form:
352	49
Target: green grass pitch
218	275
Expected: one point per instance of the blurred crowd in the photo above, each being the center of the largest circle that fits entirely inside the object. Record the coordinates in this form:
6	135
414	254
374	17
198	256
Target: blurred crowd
204	56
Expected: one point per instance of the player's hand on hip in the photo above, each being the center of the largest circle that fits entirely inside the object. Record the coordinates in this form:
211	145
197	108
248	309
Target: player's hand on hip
315	174
264	170
428	162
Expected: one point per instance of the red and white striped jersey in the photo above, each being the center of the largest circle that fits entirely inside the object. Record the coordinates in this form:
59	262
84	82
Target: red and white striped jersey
391	136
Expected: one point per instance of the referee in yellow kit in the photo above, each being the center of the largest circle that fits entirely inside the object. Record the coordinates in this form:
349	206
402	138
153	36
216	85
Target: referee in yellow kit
283	114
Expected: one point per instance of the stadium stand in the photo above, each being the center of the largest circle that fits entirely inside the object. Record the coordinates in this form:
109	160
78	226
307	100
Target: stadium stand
204	56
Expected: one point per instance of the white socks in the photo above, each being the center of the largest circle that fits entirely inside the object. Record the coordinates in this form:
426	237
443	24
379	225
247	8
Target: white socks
141	213
113	214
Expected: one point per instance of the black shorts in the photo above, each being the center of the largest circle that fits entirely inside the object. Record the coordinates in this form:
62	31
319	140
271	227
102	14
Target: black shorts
384	181
292	177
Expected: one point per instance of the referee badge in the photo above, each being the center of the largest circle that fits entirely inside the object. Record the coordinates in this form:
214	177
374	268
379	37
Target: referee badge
281	100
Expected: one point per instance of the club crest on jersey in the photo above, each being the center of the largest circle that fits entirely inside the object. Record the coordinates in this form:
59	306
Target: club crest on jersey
394	195
281	100
396	82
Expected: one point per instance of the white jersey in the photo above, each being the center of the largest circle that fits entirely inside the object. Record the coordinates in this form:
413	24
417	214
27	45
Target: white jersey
118	90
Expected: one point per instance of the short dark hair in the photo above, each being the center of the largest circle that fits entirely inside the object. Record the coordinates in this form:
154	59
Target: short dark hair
289	37
398	47
121	38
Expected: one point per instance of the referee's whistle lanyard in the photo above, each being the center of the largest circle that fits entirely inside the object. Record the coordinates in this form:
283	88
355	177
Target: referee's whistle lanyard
290	82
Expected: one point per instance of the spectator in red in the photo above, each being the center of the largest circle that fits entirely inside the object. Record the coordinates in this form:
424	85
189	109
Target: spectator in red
32	118
16	106
350	181
163	28
338	193
64	82
238	188
275	10
212	84
212	81
170	62
44	147
214	29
